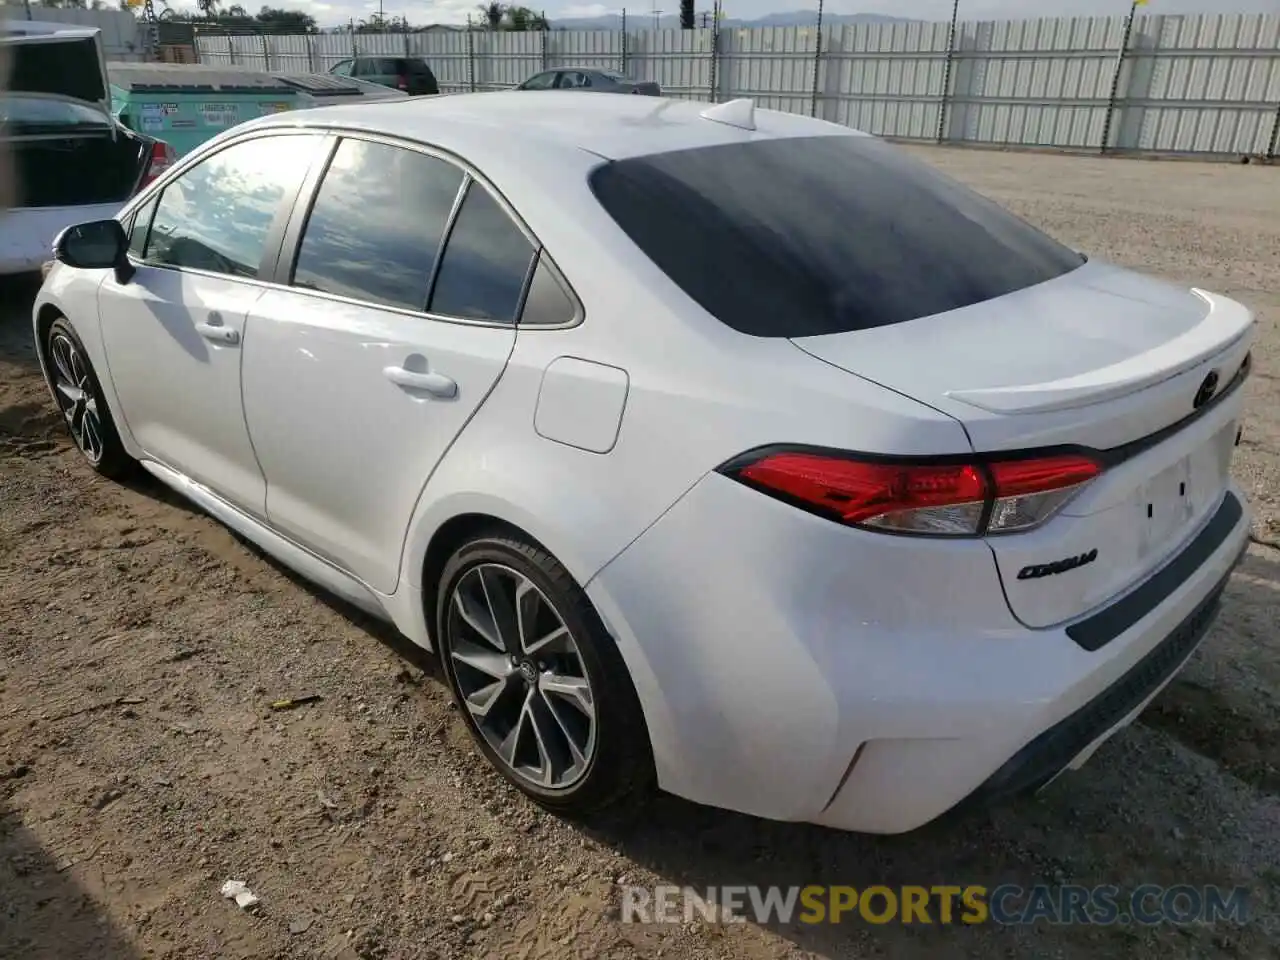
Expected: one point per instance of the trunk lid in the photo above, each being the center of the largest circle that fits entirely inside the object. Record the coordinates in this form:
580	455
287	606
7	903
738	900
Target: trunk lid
53	60
1100	358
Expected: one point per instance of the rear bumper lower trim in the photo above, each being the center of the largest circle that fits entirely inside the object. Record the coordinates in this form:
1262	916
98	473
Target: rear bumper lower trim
1104	626
1052	751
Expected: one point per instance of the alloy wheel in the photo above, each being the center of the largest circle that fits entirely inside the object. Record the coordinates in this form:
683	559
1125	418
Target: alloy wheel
75	394
521	677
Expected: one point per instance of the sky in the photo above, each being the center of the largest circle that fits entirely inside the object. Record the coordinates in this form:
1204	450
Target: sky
329	12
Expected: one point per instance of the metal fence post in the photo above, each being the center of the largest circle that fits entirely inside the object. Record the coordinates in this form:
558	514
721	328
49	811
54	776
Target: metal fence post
715	48
622	63
266	53
1275	137
471	57
946	72
817	64
311	54
542	37
231	48
1115	77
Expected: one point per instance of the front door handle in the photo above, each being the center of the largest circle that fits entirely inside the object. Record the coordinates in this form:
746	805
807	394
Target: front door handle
215	330
436	384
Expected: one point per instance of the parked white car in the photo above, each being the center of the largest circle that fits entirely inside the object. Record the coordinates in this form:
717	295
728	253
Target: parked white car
725	449
63	158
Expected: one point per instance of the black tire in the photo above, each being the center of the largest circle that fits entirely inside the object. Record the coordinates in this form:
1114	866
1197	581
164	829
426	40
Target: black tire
621	765
107	456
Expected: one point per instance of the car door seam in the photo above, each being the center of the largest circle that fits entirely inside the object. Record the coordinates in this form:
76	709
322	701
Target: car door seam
244	407
417	501
106	359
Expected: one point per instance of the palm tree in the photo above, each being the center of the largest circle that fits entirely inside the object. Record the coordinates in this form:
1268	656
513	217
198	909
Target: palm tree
492	12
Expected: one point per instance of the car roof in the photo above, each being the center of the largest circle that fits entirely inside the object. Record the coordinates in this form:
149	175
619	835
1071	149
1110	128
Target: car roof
613	128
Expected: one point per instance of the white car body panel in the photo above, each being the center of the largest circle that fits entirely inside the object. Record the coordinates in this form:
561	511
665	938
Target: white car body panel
340	481
787	666
178	384
759	700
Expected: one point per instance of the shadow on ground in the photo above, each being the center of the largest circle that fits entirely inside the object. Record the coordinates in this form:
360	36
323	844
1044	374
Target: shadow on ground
44	913
1236	724
16	341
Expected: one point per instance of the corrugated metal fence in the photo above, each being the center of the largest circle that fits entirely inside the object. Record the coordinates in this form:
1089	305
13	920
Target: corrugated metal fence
1202	84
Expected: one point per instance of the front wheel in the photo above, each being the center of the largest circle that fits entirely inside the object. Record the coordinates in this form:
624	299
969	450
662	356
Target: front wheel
79	398
541	684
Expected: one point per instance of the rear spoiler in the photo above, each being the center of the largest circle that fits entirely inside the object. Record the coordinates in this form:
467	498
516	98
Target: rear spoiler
1225	324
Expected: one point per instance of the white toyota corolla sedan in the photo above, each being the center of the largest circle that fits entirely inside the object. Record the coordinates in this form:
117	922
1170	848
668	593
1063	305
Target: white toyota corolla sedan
722	449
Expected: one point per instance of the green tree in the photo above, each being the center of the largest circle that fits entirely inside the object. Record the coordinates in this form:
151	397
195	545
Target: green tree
520	19
492	14
686	14
279	20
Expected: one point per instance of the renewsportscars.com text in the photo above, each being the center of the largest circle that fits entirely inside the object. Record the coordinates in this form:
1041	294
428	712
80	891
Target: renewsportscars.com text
971	904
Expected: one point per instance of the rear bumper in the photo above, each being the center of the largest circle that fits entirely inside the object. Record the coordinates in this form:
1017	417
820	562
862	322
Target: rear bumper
26	236
1069	741
794	669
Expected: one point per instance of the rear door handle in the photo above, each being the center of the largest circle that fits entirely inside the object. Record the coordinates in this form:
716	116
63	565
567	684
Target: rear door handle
436	384
214	329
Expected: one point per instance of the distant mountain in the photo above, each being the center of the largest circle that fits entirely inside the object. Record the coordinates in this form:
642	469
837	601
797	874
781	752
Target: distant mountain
642	20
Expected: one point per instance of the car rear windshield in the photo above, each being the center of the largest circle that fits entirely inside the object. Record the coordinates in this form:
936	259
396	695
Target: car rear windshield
816	235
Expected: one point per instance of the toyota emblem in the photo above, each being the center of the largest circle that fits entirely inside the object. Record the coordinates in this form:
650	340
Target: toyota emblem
1207	389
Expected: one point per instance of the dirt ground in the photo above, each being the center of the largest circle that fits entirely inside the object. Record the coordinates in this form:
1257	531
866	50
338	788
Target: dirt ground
140	765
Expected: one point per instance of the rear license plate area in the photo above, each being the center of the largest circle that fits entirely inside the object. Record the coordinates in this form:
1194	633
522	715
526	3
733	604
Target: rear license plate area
1180	494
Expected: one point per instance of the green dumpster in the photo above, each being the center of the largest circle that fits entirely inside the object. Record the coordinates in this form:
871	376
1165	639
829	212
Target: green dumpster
186	104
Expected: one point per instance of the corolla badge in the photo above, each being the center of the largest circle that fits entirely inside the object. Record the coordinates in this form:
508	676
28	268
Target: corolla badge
1038	570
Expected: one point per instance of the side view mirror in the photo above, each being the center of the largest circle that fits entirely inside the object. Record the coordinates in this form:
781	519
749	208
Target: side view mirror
99	245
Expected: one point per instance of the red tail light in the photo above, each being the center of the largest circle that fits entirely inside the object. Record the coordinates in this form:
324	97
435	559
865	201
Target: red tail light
402	82
917	497
162	158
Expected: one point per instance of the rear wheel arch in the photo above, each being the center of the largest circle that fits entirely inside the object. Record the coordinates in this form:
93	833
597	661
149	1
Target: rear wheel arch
451	535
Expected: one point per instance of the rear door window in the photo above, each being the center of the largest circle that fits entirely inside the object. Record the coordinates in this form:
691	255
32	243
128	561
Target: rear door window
485	264
375	228
807	236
